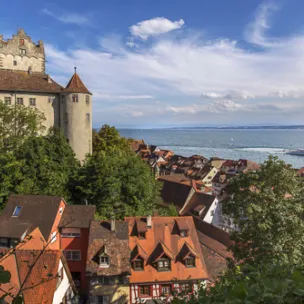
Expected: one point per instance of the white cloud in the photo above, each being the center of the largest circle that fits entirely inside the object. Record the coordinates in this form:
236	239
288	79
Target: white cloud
195	80
154	27
73	18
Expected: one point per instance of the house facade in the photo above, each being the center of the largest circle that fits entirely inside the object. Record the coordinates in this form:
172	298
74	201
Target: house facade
165	258
108	262
74	239
23	81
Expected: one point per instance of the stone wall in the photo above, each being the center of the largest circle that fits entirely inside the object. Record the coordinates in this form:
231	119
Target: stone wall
20	53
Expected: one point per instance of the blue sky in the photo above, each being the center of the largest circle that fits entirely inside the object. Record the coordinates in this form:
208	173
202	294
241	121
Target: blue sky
174	63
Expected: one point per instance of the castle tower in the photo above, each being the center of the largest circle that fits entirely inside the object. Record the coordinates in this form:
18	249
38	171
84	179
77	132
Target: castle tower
21	54
76	116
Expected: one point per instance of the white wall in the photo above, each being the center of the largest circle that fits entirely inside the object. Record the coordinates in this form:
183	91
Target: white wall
62	288
212	210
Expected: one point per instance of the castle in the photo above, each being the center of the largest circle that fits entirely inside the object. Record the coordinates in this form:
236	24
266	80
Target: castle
23	80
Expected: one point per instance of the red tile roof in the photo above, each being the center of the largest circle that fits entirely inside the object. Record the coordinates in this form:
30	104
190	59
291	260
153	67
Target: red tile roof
164	238
76	85
18	81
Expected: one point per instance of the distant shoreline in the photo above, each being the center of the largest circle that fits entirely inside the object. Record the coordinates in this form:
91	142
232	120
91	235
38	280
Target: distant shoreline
295	127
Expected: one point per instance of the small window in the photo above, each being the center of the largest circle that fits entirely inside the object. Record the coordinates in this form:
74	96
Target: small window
138	264
142	235
15	62
60	210
166	289
190	262
8	100
72	255
104	261
144	290
163	265
53	237
88	117
22	52
17	211
87	99
20	101
32	101
183	233
75	98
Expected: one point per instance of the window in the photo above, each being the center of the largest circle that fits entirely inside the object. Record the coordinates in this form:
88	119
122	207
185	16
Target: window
17	211
15	62
166	289
22	52
4	242
59	277
75	98
88	117
190	262
72	255
53	237
8	100
144	290
138	264
142	235
60	210
32	101
20	101
70	232
186	287
183	233
87	99
163	265
104	260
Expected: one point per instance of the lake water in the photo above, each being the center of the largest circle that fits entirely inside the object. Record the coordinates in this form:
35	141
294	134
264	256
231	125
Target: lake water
253	144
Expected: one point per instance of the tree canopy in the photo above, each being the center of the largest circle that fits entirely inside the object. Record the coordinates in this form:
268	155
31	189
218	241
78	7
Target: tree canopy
268	208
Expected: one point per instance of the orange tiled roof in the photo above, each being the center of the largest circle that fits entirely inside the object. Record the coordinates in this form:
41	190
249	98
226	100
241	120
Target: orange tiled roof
164	238
76	85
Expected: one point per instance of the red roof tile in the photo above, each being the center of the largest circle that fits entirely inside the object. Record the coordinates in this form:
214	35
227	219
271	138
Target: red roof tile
76	85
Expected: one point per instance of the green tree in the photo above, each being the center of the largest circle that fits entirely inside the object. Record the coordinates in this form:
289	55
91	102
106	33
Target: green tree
48	163
253	285
108	138
118	183
268	209
17	123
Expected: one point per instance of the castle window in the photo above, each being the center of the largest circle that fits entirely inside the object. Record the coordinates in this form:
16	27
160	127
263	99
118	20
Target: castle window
87	99
8	100
20	101
75	98
15	62
32	101
88	117
22	51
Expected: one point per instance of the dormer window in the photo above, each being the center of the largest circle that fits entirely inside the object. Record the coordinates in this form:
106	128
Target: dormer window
104	260
190	261
183	233
138	264
163	264
142	235
17	211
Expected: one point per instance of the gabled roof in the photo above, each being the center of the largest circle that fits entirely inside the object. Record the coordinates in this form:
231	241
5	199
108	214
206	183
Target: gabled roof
186	251
18	81
76	85
138	252
77	216
39	282
116	248
161	239
37	211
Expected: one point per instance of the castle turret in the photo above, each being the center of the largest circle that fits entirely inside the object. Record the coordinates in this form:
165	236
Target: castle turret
76	116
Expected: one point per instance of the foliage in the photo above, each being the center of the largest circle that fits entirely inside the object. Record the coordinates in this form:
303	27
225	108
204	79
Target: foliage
117	182
268	209
48	163
17	123
108	138
253	285
167	211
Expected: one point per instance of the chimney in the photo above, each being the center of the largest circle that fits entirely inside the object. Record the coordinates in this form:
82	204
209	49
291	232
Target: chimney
49	79
149	221
113	224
